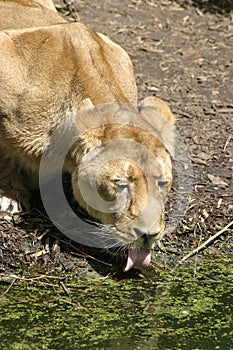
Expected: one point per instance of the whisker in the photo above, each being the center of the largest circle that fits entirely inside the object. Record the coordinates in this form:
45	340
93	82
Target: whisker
98	231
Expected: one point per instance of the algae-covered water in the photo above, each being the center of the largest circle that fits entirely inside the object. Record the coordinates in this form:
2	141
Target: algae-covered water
173	310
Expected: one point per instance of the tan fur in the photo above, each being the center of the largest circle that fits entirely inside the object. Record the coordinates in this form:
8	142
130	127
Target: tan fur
49	71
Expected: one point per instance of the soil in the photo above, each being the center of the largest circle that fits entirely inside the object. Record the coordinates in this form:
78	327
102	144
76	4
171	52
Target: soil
182	52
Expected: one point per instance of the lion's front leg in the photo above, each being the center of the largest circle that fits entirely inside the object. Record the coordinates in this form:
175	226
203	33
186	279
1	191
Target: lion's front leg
14	197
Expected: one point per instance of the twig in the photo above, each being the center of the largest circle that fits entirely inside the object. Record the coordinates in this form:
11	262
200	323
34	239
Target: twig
65	289
78	305
227	143
205	244
6	291
82	254
43	234
15	277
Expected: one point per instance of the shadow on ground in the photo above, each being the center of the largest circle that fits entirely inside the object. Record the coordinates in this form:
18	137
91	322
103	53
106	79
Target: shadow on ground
212	6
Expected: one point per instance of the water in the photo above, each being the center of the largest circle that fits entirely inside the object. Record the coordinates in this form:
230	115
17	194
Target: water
170	311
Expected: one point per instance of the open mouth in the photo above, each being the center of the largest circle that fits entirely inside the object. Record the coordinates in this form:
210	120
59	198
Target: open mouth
138	259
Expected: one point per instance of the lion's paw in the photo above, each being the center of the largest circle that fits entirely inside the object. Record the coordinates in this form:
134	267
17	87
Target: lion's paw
12	203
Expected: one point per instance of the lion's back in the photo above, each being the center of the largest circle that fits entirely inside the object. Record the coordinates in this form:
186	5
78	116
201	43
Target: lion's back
18	14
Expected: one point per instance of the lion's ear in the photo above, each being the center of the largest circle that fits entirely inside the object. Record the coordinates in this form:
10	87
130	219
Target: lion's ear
160	107
158	116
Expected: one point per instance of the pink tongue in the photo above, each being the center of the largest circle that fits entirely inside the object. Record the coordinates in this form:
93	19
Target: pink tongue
138	259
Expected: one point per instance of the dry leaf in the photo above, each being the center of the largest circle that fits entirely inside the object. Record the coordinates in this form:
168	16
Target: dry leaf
217	181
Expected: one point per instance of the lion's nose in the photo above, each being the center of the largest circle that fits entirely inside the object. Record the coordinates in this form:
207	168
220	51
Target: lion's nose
146	235
149	235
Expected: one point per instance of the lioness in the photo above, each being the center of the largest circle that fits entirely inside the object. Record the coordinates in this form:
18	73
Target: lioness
53	73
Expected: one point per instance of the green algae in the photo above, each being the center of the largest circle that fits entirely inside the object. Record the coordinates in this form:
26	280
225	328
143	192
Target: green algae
172	311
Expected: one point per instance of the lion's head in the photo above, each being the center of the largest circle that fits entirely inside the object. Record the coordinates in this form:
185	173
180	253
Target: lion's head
126	172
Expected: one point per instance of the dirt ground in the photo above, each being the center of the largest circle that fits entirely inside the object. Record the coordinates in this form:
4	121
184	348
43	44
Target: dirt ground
182	52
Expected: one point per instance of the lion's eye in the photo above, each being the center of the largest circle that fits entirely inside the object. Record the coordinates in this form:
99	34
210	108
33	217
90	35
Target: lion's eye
122	183
163	183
